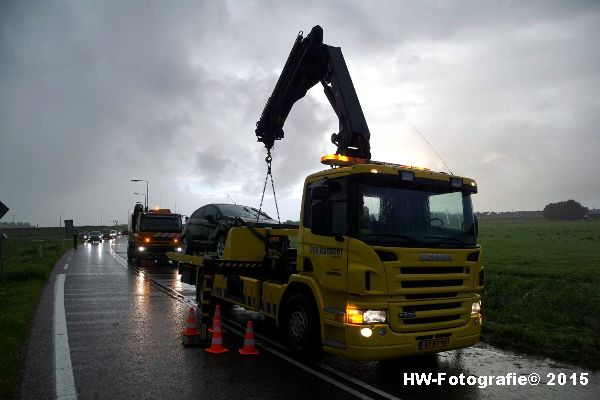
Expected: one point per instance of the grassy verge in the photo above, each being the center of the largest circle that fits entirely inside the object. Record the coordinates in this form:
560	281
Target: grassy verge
28	261
542	292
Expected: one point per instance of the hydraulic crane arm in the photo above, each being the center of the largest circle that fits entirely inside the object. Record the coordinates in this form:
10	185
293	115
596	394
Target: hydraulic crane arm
311	61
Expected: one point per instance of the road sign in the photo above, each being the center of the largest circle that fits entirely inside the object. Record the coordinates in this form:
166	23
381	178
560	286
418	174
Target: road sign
3	209
69	228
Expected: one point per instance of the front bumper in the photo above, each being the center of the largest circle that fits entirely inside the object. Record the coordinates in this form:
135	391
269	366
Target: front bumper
156	251
384	343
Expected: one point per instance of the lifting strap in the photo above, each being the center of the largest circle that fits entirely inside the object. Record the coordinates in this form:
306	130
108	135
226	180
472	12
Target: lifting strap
268	160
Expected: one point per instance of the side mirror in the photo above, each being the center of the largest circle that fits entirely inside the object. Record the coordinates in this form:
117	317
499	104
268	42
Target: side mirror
186	218
321	218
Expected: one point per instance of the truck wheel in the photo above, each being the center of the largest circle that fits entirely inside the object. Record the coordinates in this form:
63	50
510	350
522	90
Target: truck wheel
220	246
302	327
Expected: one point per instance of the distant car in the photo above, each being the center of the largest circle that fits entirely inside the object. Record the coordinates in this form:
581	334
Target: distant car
206	229
95	236
113	234
106	235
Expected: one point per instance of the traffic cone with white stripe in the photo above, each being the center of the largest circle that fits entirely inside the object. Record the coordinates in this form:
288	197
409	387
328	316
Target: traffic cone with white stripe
217	319
249	345
191	335
216	345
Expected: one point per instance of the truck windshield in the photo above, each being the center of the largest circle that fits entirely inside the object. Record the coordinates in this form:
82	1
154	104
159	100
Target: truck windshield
160	223
405	217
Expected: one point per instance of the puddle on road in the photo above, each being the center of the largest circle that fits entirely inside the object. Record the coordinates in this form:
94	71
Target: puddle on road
480	360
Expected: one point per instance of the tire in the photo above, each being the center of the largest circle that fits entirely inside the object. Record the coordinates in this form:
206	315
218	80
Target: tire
129	252
220	245
301	326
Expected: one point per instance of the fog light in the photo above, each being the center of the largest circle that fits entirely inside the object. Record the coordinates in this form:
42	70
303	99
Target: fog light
141	248
366	332
179	249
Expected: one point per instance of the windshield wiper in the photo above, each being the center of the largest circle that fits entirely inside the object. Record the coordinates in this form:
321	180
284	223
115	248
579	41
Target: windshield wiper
409	239
461	241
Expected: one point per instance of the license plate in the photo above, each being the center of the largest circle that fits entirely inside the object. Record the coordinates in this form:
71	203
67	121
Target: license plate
436	343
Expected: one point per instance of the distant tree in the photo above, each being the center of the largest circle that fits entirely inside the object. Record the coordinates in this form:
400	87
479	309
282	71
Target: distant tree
564	210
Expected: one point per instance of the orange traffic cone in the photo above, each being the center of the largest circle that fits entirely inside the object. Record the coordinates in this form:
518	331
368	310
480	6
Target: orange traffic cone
216	346
191	336
217	319
249	346
192	329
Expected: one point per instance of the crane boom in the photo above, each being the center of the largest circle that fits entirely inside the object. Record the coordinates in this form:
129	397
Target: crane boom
310	62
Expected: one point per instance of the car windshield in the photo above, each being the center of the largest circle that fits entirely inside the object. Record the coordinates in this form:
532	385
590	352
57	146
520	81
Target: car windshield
95	233
160	223
402	216
231	210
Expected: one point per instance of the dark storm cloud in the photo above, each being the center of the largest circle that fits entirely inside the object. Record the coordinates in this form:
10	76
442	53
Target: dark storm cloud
97	93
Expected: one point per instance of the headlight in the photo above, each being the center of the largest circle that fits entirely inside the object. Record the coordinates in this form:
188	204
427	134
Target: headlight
357	316
175	240
179	249
141	248
147	240
476	308
374	316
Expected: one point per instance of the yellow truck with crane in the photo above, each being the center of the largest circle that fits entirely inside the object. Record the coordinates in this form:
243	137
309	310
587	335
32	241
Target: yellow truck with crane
385	261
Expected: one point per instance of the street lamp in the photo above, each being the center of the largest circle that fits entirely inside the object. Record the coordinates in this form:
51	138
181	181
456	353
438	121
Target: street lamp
143	180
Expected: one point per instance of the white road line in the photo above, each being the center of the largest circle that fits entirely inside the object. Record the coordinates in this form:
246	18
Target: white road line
308	369
66	266
65	383
298	364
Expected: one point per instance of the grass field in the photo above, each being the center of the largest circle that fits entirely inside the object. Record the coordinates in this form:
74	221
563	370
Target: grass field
542	290
29	256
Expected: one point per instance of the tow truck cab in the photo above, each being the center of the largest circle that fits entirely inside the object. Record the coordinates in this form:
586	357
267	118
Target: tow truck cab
153	234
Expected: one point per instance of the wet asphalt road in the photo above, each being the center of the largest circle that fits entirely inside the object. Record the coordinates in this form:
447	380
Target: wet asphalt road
124	329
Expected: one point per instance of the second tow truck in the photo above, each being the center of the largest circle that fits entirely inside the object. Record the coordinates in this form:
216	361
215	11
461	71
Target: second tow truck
153	233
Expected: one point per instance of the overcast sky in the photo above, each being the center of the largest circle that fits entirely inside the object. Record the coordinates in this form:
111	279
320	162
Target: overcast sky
93	94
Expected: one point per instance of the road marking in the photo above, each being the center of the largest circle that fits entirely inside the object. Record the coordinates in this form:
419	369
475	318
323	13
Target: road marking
66	266
308	369
298	364
65	383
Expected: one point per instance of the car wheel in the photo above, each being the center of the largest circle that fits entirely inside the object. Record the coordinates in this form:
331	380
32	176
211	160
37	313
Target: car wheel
301	326
220	246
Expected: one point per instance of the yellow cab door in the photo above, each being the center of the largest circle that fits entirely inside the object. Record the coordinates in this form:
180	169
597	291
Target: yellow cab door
325	255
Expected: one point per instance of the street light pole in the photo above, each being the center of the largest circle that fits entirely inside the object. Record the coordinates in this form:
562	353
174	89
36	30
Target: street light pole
143	180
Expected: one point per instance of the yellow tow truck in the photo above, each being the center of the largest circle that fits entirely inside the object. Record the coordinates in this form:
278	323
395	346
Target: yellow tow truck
384	262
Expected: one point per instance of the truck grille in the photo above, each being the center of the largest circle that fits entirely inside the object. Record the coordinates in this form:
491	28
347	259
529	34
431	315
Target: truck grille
433	315
162	239
429	293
